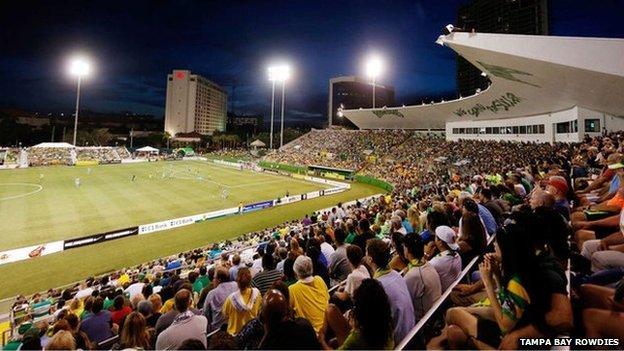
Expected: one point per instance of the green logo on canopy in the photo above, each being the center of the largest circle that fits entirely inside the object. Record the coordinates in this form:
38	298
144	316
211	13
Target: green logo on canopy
507	73
381	113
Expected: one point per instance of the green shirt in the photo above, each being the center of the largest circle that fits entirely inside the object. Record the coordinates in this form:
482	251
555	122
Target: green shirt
205	280
198	286
349	239
108	303
355	342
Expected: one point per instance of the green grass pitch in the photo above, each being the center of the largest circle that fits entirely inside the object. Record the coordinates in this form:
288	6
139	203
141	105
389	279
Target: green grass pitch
157	199
39	205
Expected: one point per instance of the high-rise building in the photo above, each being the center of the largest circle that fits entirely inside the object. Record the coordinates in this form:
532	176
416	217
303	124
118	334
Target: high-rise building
350	92
497	16
194	104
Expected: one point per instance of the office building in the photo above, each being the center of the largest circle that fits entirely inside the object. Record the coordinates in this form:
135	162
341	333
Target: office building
352	92
194	104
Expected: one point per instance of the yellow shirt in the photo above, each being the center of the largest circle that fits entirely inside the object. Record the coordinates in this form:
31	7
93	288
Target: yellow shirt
123	279
167	306
237	319
310	301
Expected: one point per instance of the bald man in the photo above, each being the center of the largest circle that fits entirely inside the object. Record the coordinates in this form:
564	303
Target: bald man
541	198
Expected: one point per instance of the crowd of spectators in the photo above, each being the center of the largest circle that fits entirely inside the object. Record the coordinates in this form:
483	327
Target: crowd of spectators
362	275
46	156
102	154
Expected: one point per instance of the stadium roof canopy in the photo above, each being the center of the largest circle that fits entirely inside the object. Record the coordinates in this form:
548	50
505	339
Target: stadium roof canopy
530	75
52	145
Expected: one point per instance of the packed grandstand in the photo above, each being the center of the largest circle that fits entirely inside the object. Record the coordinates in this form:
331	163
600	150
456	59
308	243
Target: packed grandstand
479	244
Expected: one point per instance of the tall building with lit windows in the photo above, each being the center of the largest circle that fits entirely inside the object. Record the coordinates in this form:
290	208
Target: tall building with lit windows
194	104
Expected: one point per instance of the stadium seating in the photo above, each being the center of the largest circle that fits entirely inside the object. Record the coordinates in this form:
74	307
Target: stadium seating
429	246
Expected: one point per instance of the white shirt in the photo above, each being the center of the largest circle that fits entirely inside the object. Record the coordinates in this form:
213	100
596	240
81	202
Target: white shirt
448	266
355	278
327	250
135	289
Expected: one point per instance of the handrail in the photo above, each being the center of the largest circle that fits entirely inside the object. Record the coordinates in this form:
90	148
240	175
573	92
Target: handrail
412	333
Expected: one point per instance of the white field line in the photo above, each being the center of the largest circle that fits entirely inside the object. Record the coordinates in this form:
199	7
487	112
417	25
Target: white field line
37	186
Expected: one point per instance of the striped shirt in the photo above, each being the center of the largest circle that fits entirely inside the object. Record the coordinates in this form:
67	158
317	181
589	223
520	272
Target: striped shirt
265	279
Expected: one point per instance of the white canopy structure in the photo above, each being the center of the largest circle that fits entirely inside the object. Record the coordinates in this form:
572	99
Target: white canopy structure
148	149
541	86
258	143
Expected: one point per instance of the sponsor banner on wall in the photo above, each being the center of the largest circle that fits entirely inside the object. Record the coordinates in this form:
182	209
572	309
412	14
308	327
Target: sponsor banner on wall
312	195
98	238
34	251
333	191
257	206
289	199
182	221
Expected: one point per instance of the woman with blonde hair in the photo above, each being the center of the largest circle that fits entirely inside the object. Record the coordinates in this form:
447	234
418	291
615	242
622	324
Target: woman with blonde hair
62	340
134	334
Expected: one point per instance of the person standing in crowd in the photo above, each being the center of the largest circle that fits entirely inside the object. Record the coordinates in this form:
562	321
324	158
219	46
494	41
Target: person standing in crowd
364	234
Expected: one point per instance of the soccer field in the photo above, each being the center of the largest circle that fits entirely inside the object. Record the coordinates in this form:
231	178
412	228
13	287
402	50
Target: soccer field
39	205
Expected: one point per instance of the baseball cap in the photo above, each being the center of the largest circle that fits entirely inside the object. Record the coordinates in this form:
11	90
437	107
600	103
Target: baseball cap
447	235
616	165
559	183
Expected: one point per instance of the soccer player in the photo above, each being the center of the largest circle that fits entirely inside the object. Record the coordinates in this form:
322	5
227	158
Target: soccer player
77	182
224	194
133	177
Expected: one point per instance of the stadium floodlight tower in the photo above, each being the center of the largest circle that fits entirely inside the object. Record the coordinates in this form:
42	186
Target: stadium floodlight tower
279	73
78	67
374	67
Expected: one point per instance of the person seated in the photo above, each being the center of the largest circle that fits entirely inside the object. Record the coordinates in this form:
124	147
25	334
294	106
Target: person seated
283	331
370	322
186	325
242	305
603	313
309	296
423	281
448	262
606	208
357	275
395	287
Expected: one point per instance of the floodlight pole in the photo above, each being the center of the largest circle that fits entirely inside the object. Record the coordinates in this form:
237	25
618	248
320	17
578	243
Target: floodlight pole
272	113
373	91
77	108
282	126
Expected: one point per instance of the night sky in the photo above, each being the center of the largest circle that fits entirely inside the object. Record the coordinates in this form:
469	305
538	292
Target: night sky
136	43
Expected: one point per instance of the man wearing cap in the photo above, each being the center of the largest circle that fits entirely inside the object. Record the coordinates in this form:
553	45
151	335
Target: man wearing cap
558	187
447	263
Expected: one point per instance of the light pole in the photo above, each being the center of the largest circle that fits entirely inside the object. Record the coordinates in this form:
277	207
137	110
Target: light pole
374	66
272	78
78	67
278	73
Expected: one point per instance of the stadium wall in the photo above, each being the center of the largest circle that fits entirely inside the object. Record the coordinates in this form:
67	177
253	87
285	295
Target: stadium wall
567	126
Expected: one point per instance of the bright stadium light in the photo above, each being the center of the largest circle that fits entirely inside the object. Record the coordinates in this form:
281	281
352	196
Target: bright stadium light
278	73
374	67
78	67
